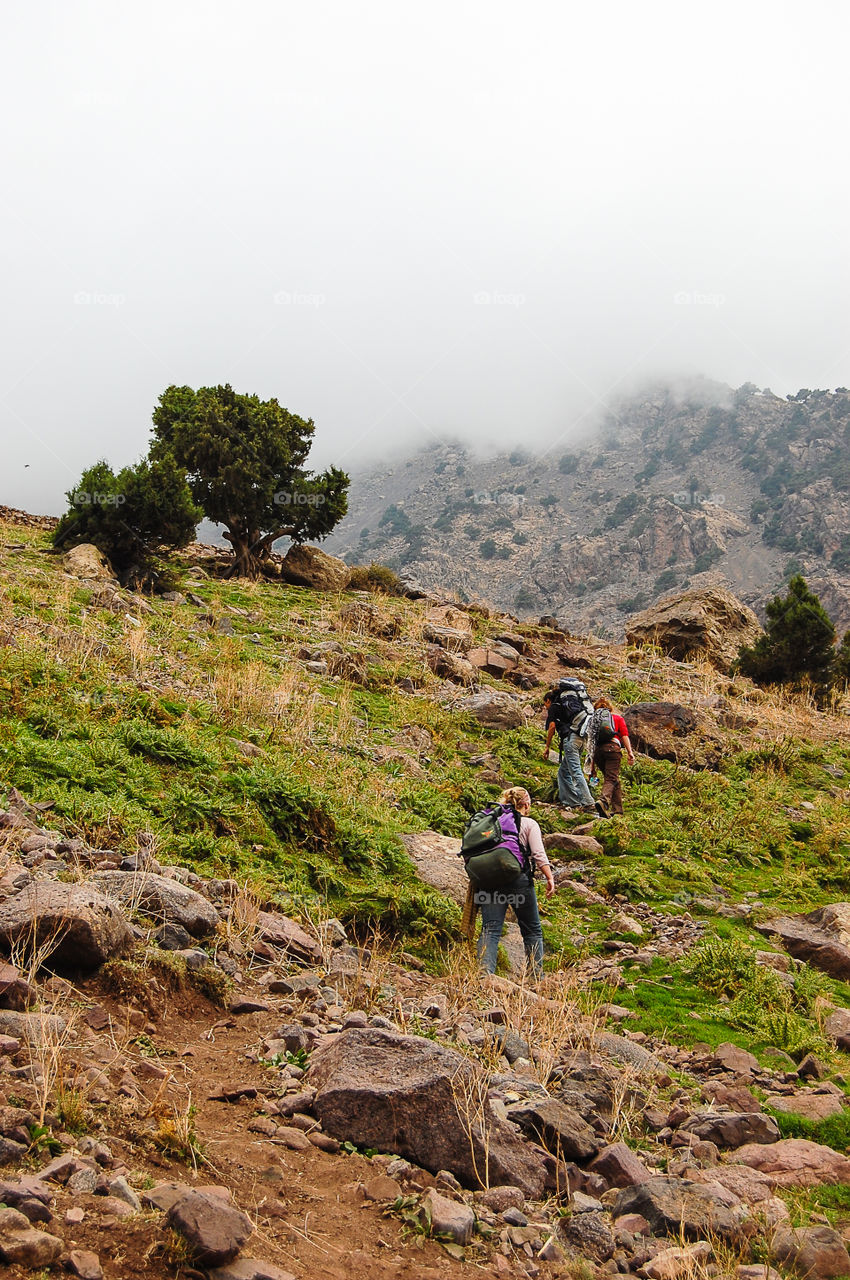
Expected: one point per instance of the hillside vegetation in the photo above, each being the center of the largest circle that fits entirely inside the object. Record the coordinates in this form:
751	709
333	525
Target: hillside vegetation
198	720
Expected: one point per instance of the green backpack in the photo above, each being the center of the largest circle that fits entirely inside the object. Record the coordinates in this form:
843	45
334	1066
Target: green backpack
490	847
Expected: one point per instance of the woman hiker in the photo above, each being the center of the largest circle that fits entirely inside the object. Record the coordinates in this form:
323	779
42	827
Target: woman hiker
607	739
519	893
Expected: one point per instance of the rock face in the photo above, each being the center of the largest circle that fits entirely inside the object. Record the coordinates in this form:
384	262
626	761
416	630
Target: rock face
82	927
710	624
425	1102
168	901
669	731
87	561
822	937
311	567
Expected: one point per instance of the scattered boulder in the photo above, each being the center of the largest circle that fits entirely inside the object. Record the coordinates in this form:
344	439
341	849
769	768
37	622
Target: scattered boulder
569	842
287	935
446	615
619	1166
444	1217
728	1130
496	659
701	624
821	937
311	567
22	1244
810	1105
562	1129
837	1025
88	561
813	1253
158	896
671	1205
214	1230
678	1262
81	927
450	666
494	709
731	1057
15	991
796	1162
423	1101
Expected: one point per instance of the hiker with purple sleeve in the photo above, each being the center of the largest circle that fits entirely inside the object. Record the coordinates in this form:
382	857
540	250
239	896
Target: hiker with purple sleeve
520	845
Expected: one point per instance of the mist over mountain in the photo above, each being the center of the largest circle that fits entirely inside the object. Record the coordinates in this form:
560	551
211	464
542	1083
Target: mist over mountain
686	484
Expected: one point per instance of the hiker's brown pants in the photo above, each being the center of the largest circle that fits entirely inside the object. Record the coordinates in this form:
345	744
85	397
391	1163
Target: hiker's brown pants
608	758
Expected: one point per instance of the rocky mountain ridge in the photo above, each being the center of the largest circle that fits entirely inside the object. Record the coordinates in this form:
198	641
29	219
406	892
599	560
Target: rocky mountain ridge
702	487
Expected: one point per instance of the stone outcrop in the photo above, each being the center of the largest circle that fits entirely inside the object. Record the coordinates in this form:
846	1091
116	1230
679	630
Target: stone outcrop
306	566
710	624
494	709
426	1102
696	1209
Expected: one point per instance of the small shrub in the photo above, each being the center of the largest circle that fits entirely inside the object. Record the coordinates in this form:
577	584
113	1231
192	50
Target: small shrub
376	577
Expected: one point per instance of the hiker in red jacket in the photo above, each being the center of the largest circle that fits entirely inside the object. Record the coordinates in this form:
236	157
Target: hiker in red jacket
607	739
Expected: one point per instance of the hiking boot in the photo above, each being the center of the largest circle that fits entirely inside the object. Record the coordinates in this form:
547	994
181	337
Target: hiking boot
602	809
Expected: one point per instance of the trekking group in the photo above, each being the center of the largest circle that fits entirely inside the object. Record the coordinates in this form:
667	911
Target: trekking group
502	846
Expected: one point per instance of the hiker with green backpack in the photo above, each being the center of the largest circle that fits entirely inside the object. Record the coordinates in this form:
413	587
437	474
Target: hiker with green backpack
501	848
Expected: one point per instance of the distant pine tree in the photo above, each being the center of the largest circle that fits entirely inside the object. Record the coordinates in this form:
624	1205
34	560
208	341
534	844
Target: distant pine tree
798	642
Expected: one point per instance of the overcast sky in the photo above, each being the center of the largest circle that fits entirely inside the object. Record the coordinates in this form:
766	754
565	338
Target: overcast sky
403	220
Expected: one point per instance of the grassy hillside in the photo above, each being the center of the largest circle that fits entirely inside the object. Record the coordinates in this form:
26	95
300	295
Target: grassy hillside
200	723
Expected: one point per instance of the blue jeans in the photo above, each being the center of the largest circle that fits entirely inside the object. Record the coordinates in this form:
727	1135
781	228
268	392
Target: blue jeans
493	905
573	790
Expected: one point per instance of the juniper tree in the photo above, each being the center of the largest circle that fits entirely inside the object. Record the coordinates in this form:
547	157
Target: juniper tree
135	515
244	458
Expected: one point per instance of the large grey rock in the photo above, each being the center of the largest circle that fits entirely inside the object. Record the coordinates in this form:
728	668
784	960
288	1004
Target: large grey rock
86	561
73	925
214	1230
821	937
168	901
423	1101
493	709
21	1244
671	1205
288	936
311	567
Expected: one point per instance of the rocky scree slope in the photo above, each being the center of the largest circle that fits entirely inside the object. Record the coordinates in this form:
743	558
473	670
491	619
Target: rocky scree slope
677	487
